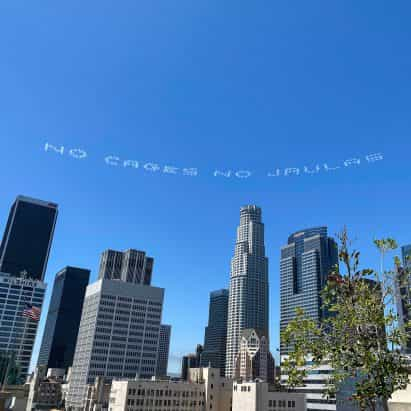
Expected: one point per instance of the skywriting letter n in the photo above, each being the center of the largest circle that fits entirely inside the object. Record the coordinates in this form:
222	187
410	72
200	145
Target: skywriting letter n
222	173
48	146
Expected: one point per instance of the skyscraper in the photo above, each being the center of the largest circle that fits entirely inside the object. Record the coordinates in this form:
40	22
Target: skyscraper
248	299
27	239
131	265
304	267
63	318
163	350
215	336
119	332
403	294
17	332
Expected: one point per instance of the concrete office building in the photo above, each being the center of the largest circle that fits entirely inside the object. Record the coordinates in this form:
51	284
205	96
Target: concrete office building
191	361
204	390
118	336
63	318
131	265
45	390
248	296
17	333
305	264
163	350
215	336
26	242
261	396
97	396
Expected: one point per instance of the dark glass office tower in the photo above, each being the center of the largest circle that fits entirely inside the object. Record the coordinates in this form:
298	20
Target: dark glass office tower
215	338
305	264
131	265
63	318
163	350
27	239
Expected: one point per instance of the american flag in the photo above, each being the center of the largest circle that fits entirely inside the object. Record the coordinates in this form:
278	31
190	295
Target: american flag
31	312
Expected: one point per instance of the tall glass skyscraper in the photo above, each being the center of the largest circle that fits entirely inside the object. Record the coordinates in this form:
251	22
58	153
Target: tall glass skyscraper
27	239
215	336
63	318
304	267
248	299
305	264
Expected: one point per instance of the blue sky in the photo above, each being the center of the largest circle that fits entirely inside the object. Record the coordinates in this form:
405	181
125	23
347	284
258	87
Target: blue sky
215	86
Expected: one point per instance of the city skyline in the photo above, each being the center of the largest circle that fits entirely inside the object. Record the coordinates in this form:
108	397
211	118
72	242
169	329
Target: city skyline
174	368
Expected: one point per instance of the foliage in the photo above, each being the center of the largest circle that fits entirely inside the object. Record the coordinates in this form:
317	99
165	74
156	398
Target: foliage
360	335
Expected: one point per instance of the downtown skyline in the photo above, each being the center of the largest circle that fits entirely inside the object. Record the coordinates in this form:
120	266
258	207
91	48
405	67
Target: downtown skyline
174	365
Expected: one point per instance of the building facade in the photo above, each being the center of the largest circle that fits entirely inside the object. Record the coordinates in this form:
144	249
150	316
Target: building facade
304	267
17	333
254	360
191	361
260	396
215	336
63	318
248	295
118	336
204	390
403	294
45	391
26	242
131	265
163	350
306	262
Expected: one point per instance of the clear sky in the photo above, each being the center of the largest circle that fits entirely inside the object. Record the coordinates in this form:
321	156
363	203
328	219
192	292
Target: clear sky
212	85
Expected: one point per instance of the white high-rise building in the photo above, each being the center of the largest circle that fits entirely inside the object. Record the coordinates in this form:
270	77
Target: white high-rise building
248	300
118	336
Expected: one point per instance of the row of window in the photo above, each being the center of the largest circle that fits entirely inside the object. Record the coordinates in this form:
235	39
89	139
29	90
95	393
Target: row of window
166	393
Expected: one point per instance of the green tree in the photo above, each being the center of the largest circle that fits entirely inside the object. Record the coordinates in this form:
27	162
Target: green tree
360	337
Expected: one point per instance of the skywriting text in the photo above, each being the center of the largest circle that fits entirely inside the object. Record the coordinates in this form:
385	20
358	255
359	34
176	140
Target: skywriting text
116	161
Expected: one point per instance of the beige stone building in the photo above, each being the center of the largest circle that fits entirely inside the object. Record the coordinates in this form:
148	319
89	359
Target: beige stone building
205	390
45	390
260	396
254	360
